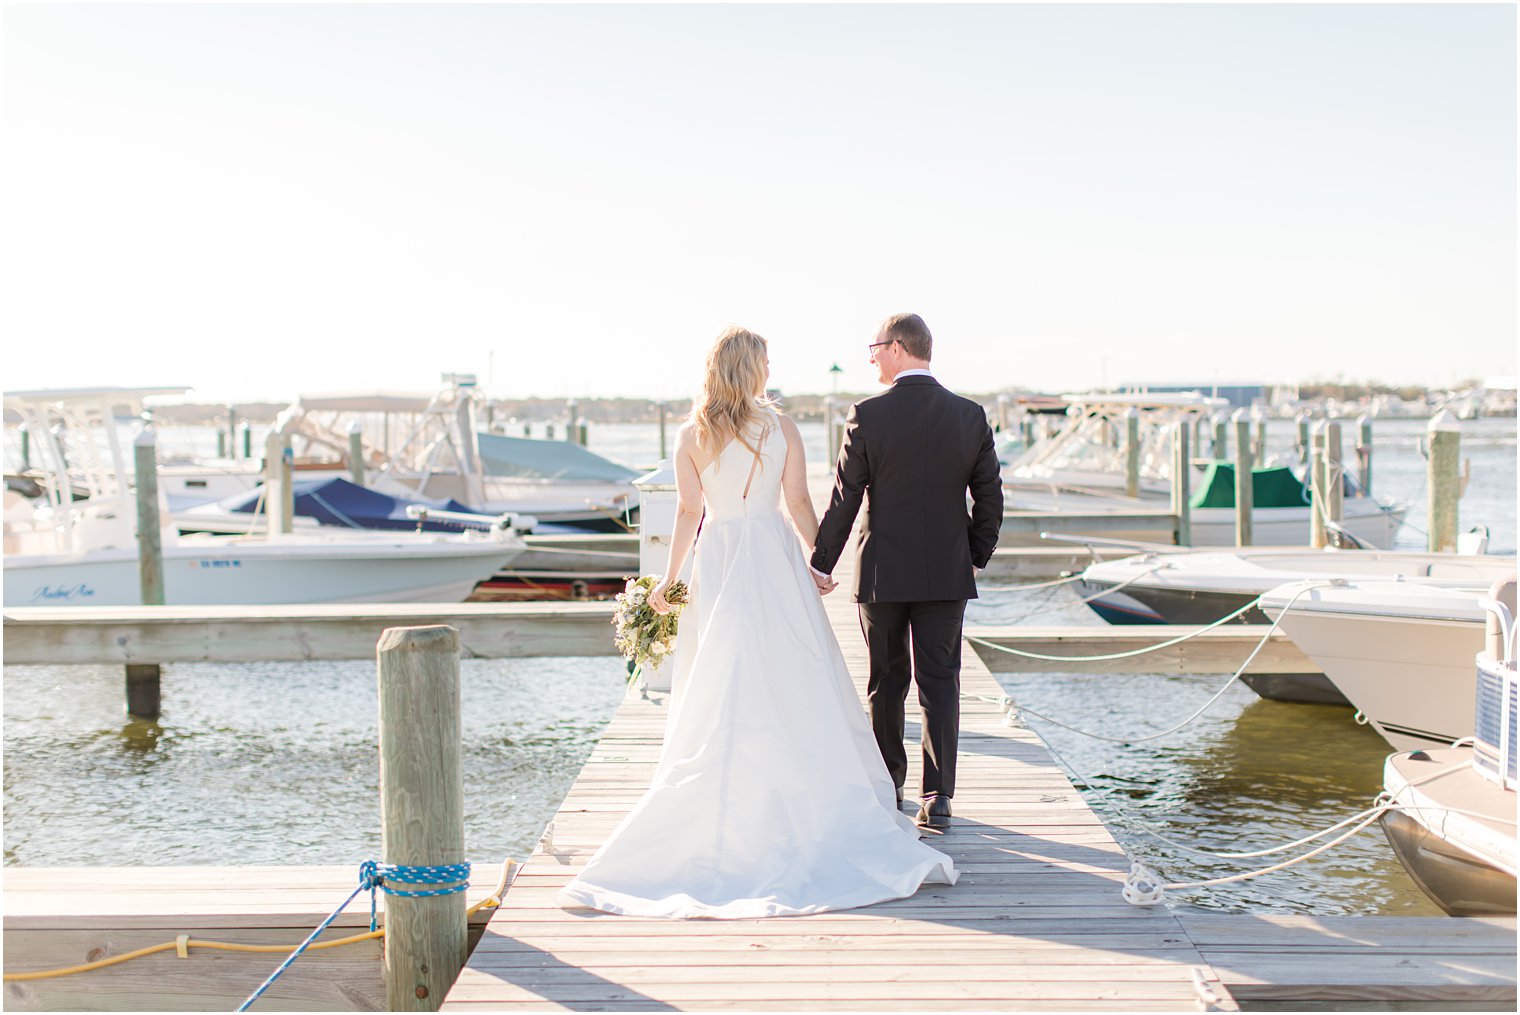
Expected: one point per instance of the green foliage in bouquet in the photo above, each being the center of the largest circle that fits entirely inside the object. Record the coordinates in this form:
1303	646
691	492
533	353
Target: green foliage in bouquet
643	636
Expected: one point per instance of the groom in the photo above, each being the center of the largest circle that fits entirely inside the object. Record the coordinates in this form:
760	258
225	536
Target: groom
911	453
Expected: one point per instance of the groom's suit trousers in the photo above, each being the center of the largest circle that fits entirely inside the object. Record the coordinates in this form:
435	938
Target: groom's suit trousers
921	638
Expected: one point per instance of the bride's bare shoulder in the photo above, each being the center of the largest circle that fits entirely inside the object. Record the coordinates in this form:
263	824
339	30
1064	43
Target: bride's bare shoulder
789	427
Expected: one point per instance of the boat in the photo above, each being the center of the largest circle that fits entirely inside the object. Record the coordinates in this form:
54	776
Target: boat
1400	651
429	448
1453	819
63	551
1080	471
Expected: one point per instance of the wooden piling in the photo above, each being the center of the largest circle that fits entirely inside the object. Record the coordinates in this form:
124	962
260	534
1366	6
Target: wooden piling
1244	490
1444	480
356	454
231	431
1335	487
277	480
26	448
1026	430
421	809
1182	460
1317	487
1220	448
582	432
548	431
247	432
570	431
1364	454
144	696
664	449
1301	422
1131	453
221	444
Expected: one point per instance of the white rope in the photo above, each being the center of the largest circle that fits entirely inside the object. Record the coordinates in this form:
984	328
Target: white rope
1006	589
1117	655
1009	719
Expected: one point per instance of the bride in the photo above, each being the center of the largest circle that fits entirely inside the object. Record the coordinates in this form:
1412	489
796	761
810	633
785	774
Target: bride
770	797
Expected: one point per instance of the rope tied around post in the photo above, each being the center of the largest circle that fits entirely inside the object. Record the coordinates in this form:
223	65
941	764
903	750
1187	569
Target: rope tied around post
372	878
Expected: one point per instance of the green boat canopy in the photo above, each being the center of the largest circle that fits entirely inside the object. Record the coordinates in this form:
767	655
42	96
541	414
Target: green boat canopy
542	459
1270	487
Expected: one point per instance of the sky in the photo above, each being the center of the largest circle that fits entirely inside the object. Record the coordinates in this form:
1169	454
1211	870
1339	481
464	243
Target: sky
264	200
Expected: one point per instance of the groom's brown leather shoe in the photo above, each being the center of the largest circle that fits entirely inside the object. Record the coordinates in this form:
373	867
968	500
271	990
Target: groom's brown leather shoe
934	813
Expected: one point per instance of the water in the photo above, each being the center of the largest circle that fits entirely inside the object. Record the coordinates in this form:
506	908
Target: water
276	762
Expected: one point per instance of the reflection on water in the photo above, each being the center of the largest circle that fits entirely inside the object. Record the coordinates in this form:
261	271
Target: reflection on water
270	763
1246	775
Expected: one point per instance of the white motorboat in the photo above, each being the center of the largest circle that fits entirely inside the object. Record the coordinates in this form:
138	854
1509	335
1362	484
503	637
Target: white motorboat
1080	471
1185	587
1453	825
1400	651
64	551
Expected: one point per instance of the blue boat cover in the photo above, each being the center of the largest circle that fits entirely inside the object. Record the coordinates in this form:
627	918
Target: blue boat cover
339	502
542	459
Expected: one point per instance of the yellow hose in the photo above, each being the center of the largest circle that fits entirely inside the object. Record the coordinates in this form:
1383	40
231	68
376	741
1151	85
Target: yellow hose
219	946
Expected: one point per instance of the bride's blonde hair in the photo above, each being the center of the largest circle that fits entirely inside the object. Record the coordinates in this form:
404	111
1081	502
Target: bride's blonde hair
733	396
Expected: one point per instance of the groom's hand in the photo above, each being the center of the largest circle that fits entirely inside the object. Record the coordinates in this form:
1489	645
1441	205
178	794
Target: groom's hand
824	583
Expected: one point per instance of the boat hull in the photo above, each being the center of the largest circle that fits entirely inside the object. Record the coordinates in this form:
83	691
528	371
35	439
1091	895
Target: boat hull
1406	676
251	574
1455	880
1453	830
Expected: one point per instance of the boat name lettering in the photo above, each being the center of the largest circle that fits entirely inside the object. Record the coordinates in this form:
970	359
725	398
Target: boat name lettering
67	593
219	563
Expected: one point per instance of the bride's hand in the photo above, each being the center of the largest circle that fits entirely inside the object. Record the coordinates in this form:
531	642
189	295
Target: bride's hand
657	600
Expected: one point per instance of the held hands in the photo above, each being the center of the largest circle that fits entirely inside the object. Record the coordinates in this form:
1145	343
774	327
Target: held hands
825	583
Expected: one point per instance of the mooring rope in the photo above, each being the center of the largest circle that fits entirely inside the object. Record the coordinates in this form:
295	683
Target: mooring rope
183	944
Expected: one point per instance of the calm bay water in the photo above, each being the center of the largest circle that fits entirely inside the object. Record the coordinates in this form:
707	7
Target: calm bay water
276	762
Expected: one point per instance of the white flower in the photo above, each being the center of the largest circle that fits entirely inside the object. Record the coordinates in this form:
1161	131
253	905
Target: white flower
659	648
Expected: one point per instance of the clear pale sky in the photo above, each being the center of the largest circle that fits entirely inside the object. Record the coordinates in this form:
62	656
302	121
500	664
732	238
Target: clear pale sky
574	200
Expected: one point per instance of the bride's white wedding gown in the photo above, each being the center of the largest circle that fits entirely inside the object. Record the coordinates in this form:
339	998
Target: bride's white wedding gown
770	797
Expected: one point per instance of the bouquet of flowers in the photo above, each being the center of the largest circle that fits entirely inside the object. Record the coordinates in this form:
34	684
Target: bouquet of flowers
643	636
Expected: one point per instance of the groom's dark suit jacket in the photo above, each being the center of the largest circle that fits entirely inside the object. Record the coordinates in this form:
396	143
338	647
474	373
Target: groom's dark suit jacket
911	453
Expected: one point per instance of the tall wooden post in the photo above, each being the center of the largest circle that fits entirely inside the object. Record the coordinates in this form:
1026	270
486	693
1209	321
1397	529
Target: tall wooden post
221	444
1220	449
1444	480
1026	430
26	448
144	696
1335	487
1131	453
232	431
1364	454
1245	492
421	809
1301	422
356	453
1259	451
573	406
247	431
277	483
582	432
1318	484
664	448
1182	460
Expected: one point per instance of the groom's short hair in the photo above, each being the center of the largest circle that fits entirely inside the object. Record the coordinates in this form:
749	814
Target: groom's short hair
911	331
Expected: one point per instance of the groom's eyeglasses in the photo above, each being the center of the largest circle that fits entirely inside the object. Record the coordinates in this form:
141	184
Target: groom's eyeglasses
877	345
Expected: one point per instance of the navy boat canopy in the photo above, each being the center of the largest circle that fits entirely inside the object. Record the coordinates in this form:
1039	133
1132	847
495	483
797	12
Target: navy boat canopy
336	501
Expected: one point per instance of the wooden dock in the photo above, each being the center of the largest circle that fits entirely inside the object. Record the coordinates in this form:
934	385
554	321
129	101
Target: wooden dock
1035	923
56	916
179	634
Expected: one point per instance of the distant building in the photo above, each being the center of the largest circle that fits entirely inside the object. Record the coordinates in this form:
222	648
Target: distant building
1240	396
